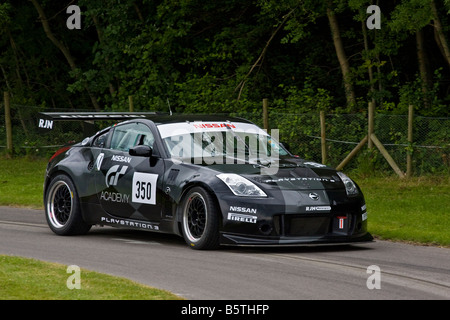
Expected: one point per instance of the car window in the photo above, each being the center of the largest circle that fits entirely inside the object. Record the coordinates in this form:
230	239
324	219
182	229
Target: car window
129	135
100	141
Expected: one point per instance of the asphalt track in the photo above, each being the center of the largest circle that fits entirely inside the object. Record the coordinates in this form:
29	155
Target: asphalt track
407	272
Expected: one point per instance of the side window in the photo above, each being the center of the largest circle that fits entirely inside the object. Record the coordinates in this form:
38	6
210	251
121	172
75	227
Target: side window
100	141
129	135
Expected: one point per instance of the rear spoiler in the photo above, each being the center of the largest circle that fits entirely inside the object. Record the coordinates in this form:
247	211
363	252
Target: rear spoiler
46	119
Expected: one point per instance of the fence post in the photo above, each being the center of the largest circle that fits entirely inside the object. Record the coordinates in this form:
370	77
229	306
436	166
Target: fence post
266	114
387	156
370	124
9	141
323	137
130	102
410	141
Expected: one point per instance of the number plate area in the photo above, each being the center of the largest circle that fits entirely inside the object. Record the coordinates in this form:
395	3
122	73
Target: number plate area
144	188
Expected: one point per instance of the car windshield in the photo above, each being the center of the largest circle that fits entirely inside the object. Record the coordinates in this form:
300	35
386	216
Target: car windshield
220	142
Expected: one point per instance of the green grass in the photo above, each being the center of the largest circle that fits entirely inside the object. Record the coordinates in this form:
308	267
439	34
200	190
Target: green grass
21	182
29	279
415	209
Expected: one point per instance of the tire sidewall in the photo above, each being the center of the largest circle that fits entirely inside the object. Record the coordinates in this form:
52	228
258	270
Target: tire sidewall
210	237
75	223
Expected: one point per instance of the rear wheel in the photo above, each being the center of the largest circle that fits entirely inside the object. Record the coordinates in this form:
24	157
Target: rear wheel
200	221
62	207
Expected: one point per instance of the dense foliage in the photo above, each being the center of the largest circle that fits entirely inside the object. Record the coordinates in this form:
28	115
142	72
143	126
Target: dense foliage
226	56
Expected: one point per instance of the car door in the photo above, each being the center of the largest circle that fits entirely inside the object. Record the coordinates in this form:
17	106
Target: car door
130	186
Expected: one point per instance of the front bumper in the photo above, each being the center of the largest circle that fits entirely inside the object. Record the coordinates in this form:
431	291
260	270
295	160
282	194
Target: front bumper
242	240
292	218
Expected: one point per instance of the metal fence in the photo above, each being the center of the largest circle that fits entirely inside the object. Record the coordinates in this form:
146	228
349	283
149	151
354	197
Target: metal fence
430	148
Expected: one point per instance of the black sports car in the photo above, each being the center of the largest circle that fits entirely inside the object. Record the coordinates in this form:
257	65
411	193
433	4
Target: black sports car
213	180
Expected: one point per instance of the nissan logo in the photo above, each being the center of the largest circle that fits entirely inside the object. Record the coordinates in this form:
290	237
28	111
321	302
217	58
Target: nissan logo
314	196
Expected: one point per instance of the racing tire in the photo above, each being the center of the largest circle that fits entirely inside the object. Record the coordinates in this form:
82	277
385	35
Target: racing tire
62	208
200	220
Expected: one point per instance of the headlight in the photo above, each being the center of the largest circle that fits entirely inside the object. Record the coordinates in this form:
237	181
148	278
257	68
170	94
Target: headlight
241	186
350	186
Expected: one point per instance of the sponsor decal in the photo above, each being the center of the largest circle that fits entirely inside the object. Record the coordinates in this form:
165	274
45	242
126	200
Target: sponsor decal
121	158
318	208
114	173
129	223
315	164
98	162
45	124
299	179
364	212
364	216
144	188
241	217
243	209
341	222
115	197
213	125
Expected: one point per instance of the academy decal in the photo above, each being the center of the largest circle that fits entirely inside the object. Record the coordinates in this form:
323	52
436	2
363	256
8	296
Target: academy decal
129	223
114	173
144	188
115	197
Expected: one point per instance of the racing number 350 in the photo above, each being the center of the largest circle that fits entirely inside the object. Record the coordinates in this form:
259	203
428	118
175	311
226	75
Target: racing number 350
144	187
143	190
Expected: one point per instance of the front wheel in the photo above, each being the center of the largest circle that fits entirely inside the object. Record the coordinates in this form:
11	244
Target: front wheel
200	221
62	207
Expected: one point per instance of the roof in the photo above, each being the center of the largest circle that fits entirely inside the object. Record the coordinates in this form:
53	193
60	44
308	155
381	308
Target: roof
166	119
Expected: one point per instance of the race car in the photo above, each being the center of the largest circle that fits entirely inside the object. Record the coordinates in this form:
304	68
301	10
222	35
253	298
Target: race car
214	180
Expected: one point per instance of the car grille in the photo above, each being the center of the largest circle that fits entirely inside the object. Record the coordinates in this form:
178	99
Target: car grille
311	226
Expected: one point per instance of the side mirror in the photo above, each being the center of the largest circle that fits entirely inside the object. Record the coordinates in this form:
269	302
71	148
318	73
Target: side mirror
141	151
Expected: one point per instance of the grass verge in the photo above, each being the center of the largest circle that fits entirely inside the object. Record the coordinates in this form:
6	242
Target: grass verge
21	182
415	209
29	279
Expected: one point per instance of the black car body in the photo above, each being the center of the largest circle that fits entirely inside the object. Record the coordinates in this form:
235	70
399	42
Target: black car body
213	180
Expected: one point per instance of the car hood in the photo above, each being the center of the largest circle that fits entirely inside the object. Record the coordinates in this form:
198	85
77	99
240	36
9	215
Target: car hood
285	174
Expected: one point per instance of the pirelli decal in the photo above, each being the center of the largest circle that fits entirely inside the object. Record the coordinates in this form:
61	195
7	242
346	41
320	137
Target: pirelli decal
241	217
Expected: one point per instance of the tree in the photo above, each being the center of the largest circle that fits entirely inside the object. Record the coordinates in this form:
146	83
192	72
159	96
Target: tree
439	33
62	47
341	55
